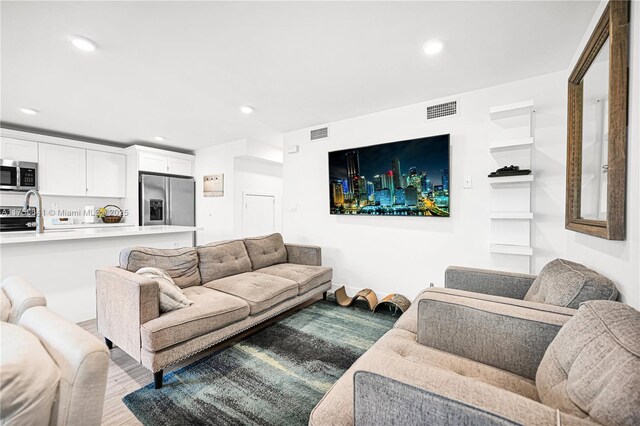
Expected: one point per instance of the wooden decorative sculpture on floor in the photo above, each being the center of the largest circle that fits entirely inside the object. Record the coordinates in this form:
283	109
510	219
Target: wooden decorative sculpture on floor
366	294
393	301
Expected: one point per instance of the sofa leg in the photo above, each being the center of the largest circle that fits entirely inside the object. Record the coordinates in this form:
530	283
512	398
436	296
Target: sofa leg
157	379
324	296
109	343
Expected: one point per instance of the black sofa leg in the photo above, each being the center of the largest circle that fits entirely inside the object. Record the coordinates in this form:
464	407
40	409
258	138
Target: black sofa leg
324	296
157	379
109	343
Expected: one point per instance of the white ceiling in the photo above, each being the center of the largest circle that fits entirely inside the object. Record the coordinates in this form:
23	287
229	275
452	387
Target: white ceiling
182	69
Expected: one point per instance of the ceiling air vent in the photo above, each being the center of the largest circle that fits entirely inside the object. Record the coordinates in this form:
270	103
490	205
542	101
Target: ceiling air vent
321	133
442	110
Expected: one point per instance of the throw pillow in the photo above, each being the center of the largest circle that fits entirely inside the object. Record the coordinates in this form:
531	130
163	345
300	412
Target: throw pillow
171	296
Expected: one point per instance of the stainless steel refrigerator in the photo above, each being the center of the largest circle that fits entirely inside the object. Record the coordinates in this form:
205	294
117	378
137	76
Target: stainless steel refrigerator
167	200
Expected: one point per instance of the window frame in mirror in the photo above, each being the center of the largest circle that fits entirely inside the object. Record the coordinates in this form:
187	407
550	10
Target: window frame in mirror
613	26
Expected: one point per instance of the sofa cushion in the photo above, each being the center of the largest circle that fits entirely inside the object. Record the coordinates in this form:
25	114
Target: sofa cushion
565	283
210	311
266	251
403	343
29	377
181	264
260	291
592	367
219	260
307	277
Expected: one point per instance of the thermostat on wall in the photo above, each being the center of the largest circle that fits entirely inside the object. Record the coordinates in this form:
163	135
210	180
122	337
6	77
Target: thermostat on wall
213	185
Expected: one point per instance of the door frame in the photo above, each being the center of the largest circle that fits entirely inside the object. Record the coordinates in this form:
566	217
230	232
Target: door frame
257	194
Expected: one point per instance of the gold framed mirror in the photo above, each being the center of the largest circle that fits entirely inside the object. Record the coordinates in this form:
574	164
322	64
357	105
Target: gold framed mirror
597	129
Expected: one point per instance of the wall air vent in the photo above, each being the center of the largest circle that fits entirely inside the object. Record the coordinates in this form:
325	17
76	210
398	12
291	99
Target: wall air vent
446	109
321	133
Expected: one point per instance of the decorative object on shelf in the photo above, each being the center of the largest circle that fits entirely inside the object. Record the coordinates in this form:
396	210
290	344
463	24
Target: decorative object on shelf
394	302
213	185
110	215
366	293
509	171
89	214
597	129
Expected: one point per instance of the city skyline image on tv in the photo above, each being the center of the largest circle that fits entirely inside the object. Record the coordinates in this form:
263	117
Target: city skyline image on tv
405	178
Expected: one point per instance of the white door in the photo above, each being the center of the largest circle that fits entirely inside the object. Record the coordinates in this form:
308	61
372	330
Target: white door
179	166
258	215
62	170
149	162
106	174
18	150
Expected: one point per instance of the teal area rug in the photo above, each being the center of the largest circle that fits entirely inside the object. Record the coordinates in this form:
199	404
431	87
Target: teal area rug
273	377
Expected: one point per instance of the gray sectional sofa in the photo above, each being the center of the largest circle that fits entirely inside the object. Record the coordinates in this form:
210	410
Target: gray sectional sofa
234	285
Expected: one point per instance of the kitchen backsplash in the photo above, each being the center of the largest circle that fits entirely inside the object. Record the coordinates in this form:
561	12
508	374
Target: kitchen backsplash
72	207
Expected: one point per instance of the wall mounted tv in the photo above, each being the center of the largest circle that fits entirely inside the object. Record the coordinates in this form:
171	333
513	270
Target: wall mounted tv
405	178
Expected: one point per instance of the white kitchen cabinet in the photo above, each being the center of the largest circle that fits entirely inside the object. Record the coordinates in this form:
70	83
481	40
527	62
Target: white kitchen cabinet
151	162
159	162
18	150
179	166
62	170
106	174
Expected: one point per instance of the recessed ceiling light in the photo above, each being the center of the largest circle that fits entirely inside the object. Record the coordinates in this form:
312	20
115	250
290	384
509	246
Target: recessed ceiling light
433	46
158	138
83	43
29	111
246	109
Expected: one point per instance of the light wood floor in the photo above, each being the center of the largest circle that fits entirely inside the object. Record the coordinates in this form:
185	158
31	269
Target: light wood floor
127	375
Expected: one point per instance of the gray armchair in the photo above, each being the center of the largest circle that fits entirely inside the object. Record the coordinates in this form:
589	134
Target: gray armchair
561	283
481	362
573	384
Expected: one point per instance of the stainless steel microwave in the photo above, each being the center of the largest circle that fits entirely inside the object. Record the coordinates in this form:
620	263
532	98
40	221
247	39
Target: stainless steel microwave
18	175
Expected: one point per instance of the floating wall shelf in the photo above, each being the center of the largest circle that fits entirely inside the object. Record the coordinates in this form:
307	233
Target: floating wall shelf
513	143
511	179
511	249
511	110
511	215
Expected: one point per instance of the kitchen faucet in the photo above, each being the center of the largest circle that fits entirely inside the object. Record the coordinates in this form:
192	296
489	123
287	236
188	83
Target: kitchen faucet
39	217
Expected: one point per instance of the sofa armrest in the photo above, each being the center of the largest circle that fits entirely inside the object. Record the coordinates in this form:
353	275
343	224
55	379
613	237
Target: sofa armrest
83	362
497	283
382	400
304	255
125	301
22	295
510	337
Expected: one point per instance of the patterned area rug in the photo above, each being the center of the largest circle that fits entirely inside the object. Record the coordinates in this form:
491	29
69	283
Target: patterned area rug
274	377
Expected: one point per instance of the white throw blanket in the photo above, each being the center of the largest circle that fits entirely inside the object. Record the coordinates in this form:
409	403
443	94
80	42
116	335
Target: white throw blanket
171	296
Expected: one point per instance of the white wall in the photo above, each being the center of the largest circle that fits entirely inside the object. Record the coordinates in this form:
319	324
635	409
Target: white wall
248	166
393	254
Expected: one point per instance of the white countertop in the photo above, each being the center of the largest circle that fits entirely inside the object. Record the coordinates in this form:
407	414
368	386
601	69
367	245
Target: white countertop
86	233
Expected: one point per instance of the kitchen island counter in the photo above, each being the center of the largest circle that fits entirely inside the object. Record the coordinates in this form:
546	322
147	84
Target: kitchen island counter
51	235
62	263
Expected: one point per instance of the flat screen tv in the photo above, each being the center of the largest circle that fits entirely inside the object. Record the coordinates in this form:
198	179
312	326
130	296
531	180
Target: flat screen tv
405	178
